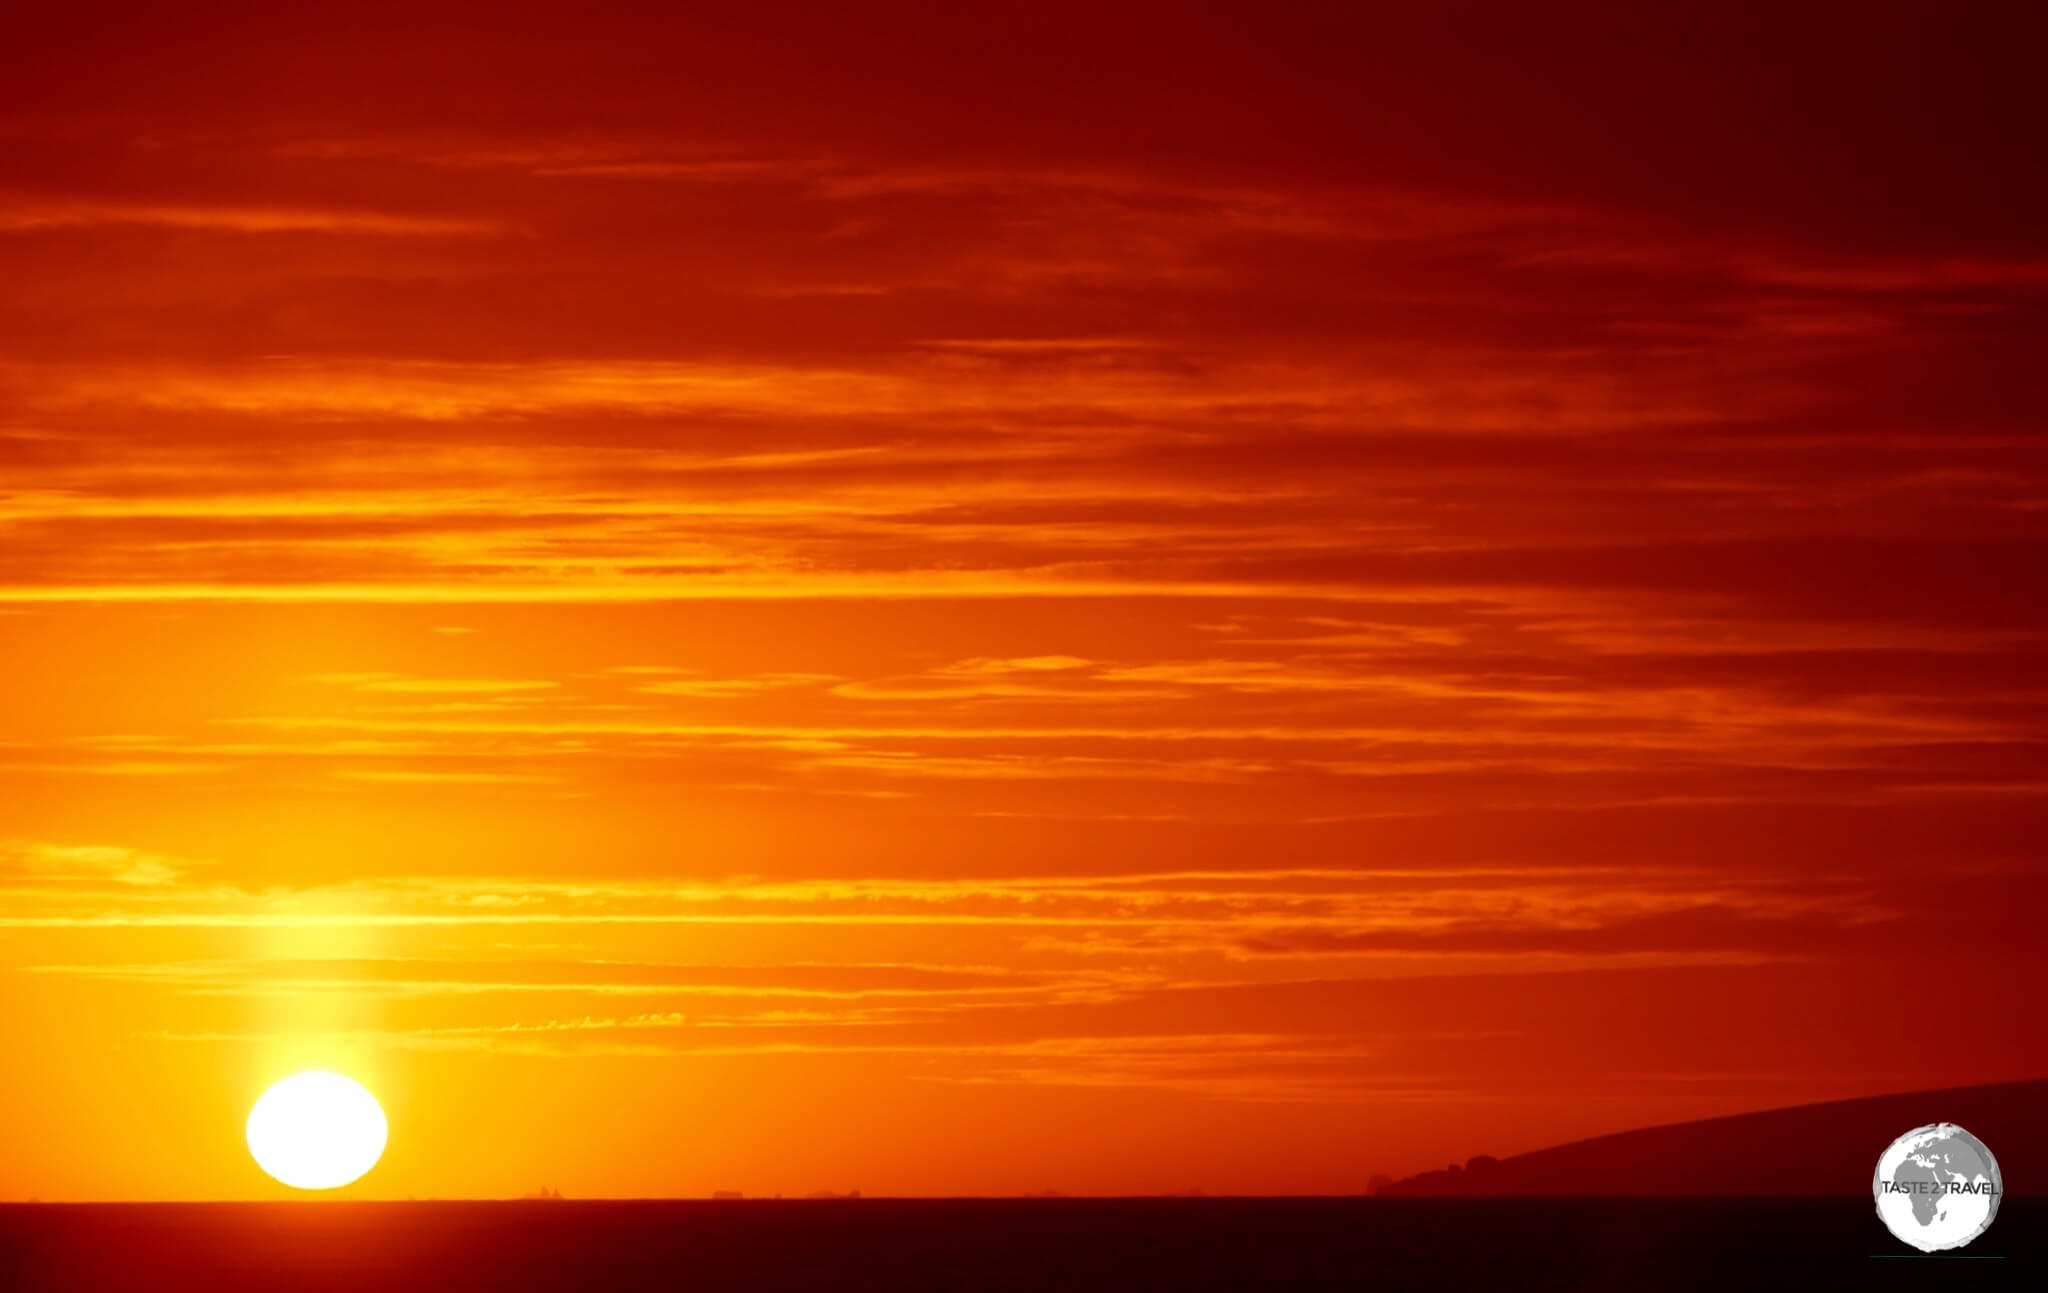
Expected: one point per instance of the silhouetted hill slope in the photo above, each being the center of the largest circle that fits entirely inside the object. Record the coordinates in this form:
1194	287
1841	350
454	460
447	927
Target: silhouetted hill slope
1808	1149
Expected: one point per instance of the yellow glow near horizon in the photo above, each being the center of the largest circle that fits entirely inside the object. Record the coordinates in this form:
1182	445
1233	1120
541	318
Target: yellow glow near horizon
317	1131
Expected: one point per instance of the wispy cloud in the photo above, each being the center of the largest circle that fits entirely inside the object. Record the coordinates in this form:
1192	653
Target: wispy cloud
1144	594
46	867
27	213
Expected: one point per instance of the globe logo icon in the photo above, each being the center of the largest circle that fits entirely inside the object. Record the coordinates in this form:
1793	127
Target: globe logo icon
1937	1187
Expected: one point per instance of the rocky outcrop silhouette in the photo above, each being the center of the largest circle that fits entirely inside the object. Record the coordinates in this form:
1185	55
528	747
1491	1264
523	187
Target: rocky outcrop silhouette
1813	1149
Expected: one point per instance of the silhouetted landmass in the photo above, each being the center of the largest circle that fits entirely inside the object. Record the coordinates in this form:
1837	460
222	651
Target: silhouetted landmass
1828	1240
1211	1245
1813	1149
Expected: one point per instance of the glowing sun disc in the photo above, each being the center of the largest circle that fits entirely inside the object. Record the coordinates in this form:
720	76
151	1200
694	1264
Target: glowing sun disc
317	1131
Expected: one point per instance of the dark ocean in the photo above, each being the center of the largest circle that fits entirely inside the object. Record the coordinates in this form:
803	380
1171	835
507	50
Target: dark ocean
965	1245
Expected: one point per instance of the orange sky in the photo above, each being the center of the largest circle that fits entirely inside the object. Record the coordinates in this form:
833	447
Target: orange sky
1011	598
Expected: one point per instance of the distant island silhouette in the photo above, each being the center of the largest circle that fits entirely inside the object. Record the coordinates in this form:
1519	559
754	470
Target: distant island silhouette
1811	1149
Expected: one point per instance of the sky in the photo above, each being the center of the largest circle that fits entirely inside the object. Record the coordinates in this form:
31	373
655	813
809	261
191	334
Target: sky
980	599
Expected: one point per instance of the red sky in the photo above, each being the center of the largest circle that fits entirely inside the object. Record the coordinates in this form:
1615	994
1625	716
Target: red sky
973	599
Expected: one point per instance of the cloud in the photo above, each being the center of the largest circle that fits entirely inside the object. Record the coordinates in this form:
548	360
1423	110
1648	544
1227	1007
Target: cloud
1113	586
1446	912
23	213
414	977
431	777
385	682
725	688
44	866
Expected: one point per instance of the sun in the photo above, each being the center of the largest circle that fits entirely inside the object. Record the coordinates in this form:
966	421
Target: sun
317	1131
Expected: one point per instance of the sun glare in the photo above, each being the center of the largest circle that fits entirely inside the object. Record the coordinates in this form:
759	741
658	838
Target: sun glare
317	1131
